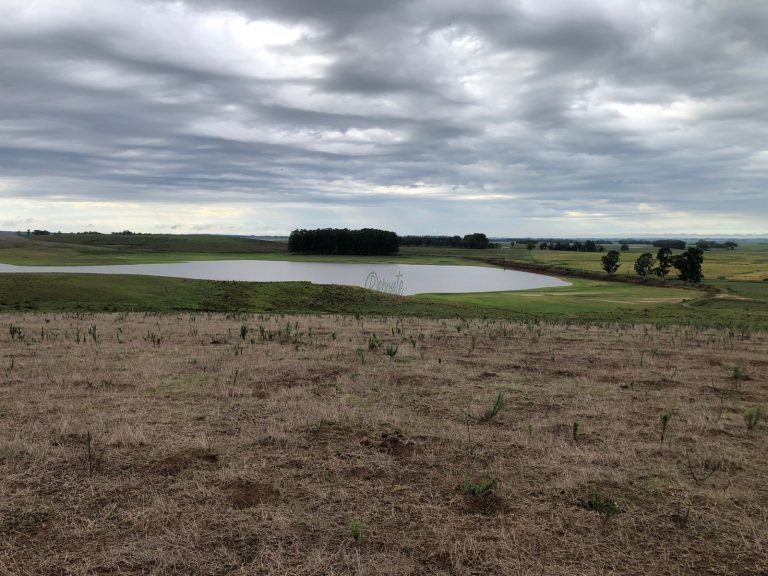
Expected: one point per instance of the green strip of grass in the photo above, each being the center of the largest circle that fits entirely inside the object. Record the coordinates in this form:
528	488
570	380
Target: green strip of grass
595	301
584	301
98	293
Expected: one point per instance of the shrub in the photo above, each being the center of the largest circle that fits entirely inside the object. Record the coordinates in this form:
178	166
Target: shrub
753	416
484	487
604	506
493	410
356	531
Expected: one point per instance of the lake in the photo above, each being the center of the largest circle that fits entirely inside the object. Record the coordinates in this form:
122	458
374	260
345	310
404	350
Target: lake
403	279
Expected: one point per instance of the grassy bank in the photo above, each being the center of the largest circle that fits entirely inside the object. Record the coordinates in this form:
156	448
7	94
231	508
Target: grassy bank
94	293
595	301
584	301
206	444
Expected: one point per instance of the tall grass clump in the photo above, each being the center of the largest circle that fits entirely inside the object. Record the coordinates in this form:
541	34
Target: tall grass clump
493	410
753	416
665	418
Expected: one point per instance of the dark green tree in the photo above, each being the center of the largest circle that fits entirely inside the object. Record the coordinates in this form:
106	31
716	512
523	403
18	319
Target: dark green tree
676	244
624	247
611	262
448	241
476	240
367	241
664	258
688	264
644	264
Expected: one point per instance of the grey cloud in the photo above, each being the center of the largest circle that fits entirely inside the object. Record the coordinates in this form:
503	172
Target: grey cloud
417	106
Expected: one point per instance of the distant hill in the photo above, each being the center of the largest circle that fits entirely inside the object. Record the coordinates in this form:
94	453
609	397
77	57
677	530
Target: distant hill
268	238
189	243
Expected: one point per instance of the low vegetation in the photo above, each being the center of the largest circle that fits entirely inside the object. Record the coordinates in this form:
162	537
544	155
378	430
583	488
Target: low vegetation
199	443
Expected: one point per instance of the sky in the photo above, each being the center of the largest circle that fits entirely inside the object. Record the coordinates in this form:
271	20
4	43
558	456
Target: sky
510	117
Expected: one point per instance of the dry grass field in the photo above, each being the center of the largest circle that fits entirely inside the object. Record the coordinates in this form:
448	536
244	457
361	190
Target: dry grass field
178	444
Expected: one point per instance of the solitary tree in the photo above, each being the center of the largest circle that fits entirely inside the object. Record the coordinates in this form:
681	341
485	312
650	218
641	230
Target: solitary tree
644	264
624	247
688	264
664	258
611	261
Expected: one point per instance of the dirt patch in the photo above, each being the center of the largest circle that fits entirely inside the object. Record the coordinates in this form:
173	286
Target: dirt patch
180	461
365	473
564	373
248	493
410	379
23	522
325	431
485	504
324	375
394	443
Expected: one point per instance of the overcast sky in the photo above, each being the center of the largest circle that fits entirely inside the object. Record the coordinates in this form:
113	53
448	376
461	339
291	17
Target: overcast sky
528	117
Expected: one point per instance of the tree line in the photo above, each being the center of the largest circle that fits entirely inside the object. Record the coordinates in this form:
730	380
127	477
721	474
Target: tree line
688	264
596	245
478	240
373	242
440	241
709	244
572	246
343	241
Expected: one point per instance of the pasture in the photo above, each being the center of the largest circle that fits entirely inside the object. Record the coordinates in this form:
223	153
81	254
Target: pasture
271	444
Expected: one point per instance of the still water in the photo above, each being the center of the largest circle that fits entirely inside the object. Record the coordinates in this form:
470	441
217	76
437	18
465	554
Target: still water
404	279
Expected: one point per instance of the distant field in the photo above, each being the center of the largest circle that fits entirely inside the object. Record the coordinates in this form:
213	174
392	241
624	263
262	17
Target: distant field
190	243
584	302
75	249
744	301
279	445
85	249
747	262
583	297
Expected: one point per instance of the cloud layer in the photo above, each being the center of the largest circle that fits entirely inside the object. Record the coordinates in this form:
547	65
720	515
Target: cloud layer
423	116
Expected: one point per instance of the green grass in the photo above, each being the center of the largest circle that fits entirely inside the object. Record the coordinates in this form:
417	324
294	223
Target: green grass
597	301
190	243
581	296
747	262
96	293
96	249
743	302
583	302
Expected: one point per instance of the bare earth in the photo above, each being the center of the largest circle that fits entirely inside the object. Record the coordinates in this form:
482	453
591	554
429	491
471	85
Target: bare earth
141	444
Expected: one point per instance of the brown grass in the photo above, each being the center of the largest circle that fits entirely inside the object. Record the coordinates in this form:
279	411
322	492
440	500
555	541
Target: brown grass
213	454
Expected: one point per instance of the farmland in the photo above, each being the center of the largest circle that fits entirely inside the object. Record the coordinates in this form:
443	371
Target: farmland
138	443
733	294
